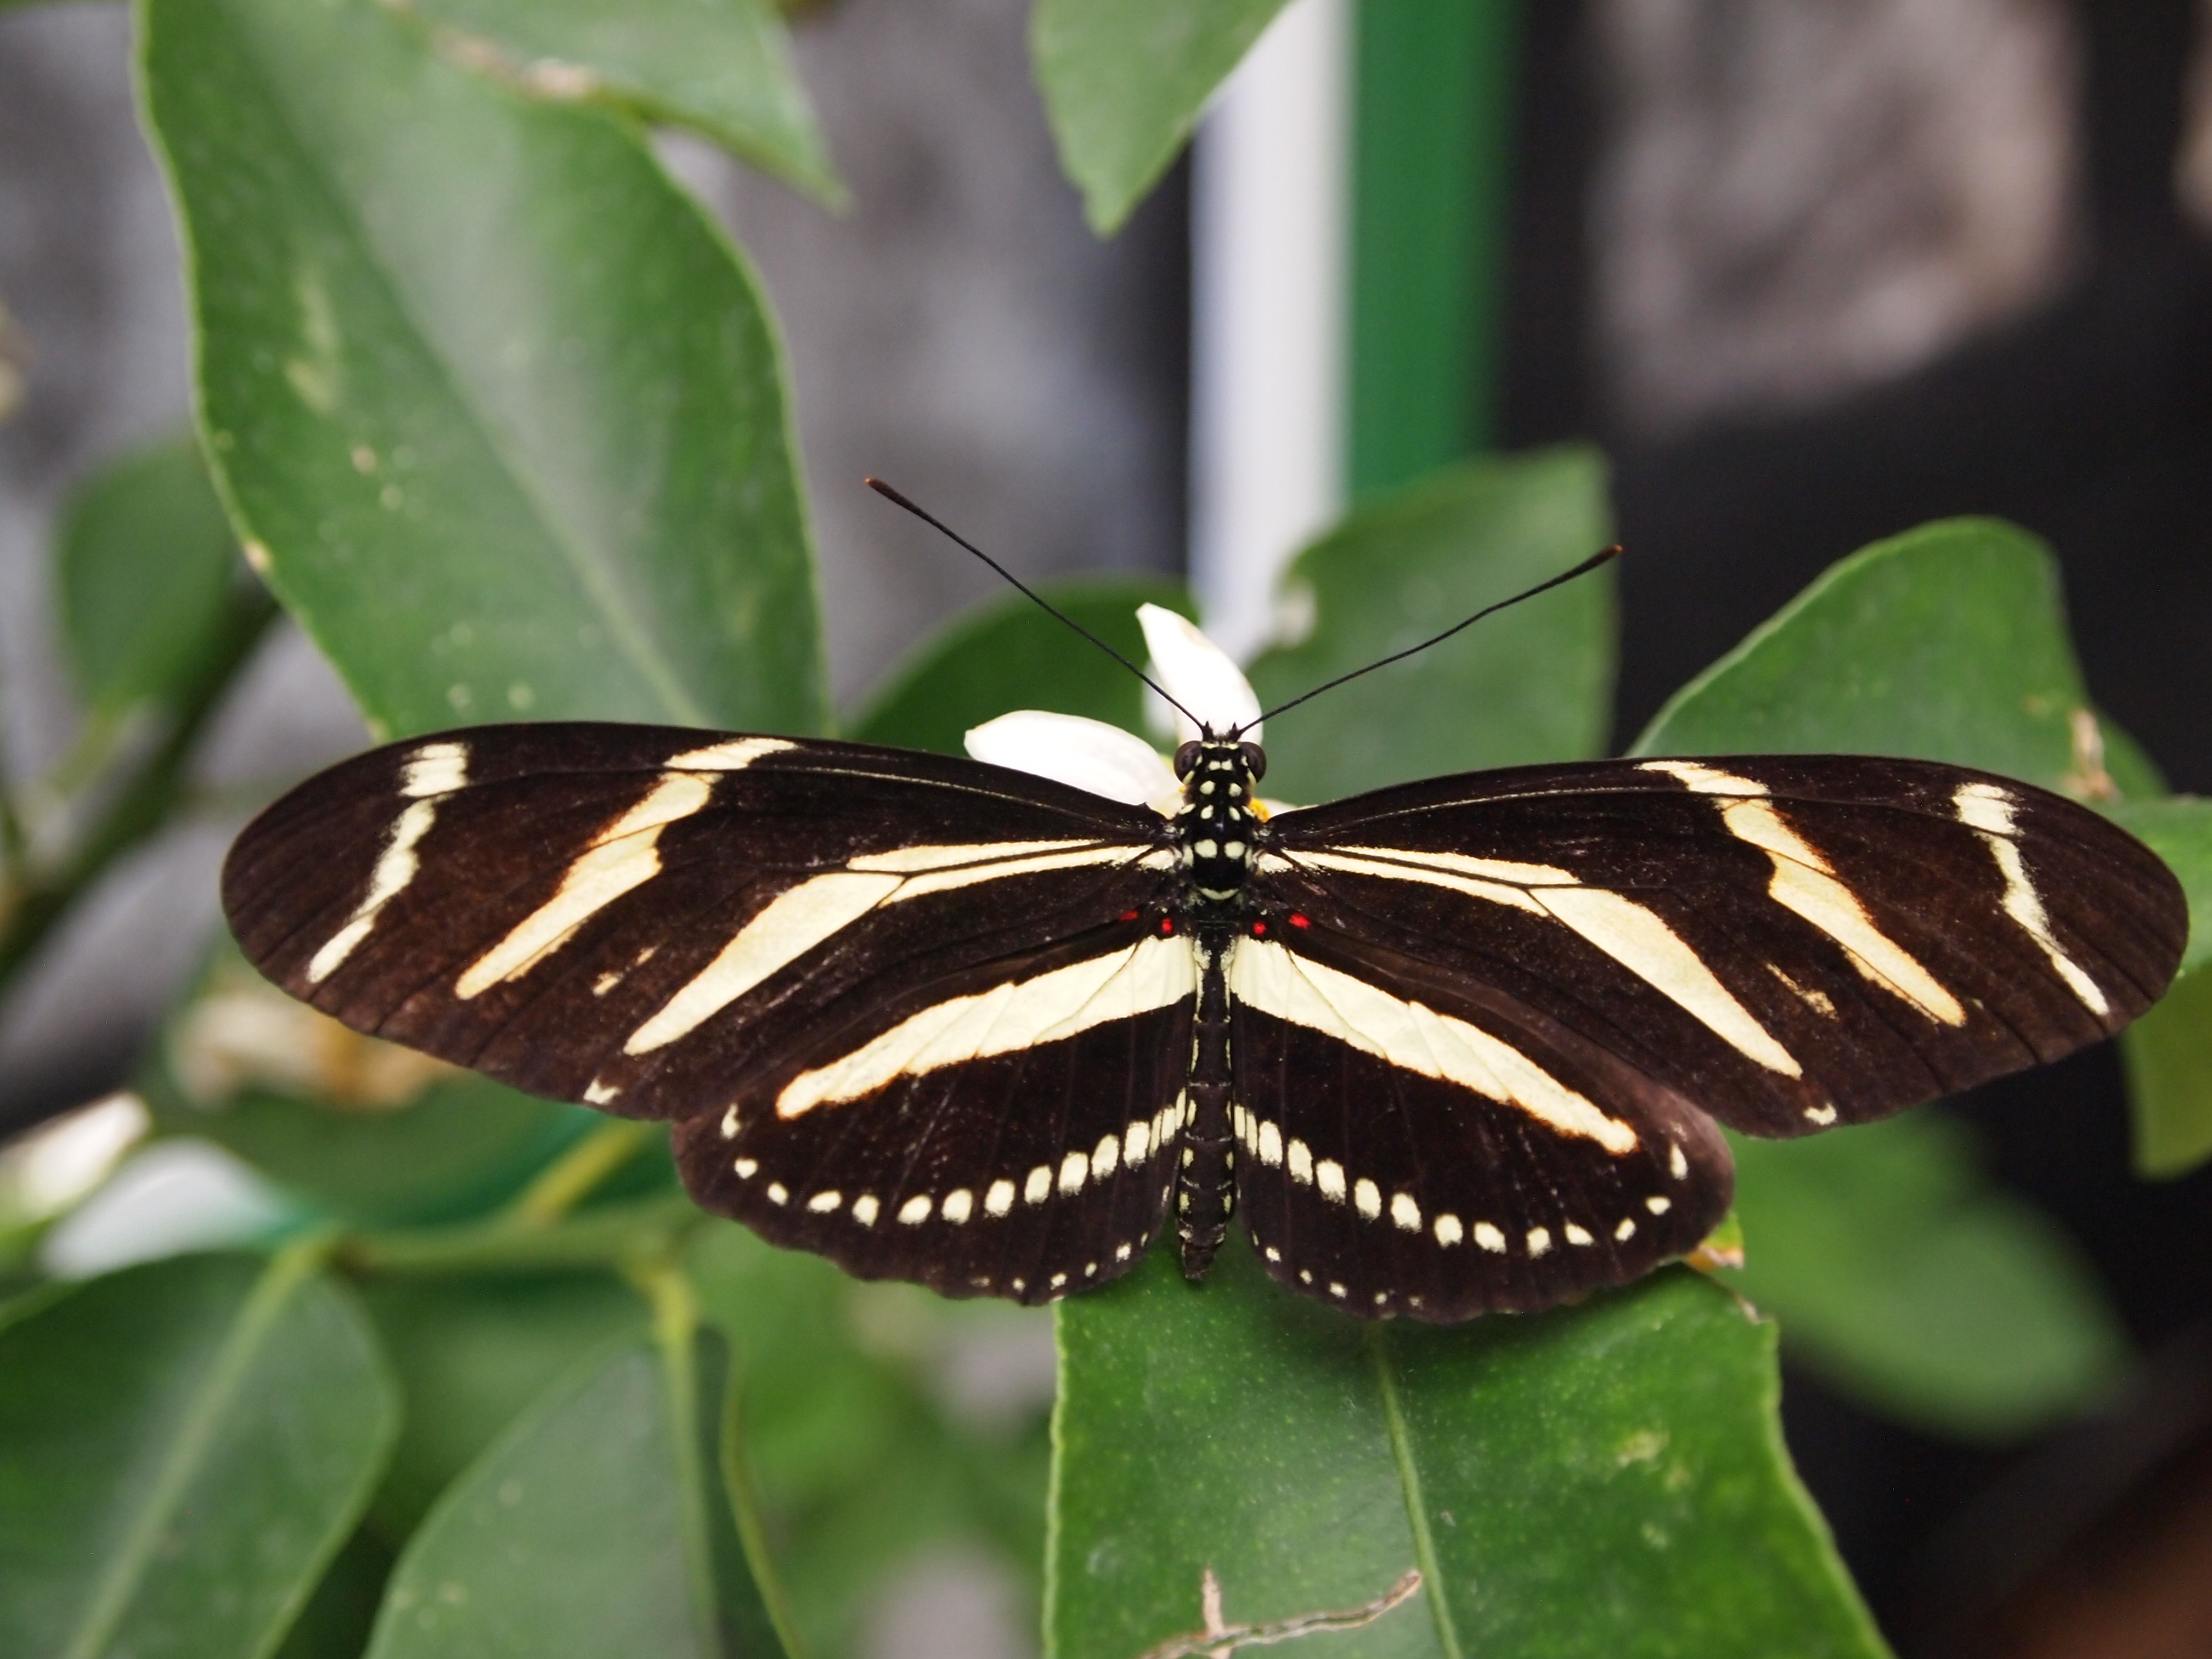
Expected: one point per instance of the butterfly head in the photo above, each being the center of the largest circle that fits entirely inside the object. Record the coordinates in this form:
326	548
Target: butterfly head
1219	826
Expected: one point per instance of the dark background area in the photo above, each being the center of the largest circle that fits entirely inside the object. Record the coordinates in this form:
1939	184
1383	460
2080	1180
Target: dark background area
2090	420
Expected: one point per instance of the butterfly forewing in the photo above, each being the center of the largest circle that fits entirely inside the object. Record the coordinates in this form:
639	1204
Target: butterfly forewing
1789	942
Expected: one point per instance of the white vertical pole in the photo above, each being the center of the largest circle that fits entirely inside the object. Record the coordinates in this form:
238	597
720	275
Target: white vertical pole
1269	217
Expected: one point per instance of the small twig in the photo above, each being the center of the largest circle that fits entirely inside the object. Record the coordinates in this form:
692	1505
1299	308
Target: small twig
141	807
1218	1639
572	1177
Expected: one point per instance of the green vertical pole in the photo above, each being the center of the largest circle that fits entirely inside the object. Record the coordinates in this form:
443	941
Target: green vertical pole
1432	126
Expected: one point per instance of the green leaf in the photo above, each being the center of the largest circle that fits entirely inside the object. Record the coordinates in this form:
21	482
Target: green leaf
1948	643
184	1447
1605	1479
471	1353
2169	1055
2180	830
597	1525
1533	684
722	67
1903	1274
1124	81
147	572
498	410
1009	654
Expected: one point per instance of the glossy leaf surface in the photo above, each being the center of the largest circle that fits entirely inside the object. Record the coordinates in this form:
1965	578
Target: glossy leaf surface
1009	654
1947	643
1532	684
597	1525
471	1353
183	1448
1600	1480
1124	81
499	411
146	570
720	66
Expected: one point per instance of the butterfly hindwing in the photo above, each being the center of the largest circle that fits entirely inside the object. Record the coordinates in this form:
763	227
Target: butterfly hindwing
1791	942
1409	1145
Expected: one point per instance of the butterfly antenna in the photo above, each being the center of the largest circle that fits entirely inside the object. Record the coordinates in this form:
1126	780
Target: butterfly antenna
1030	593
1603	556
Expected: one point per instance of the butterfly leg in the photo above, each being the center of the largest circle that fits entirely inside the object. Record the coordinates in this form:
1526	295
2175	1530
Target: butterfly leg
1205	1183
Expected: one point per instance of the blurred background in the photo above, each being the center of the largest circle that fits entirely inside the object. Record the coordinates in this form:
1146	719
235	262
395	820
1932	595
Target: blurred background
1809	271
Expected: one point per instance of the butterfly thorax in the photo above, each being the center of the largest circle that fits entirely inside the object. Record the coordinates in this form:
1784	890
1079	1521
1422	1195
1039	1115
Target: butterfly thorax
1218	827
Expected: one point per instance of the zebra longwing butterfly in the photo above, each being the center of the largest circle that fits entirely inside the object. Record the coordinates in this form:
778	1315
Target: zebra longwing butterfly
1456	1046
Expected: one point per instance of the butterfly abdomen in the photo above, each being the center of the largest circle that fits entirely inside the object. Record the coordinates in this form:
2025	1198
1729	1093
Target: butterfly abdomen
1206	1182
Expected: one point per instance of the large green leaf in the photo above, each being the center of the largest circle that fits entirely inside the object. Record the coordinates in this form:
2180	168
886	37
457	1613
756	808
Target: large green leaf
1903	1273
1124	81
597	1525
1533	684
2178	829
148	576
1948	643
720	66
471	1352
1601	1481
499	410
1009	654
183	1447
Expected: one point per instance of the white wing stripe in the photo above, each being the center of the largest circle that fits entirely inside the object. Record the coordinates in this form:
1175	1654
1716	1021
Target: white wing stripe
1988	809
1415	1038
626	855
1151	974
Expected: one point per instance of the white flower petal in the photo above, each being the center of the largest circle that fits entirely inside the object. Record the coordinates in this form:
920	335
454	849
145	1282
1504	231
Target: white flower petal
1200	675
1088	754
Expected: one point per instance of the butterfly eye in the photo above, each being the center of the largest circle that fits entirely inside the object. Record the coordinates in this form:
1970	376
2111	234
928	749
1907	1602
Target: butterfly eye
1256	758
1186	757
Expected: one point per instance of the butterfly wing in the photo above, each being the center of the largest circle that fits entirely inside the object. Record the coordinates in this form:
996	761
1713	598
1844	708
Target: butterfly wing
878	991
1411	1143
1789	942
1484	1025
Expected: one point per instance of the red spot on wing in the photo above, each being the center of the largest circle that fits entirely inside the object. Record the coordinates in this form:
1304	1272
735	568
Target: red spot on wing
1127	915
1167	924
1259	930
1297	920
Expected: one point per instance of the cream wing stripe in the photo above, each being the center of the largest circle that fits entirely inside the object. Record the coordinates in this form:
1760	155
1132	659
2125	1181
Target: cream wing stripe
1805	884
1414	1038
1640	941
626	855
1630	933
428	775
1151	974
787	928
1985	807
815	911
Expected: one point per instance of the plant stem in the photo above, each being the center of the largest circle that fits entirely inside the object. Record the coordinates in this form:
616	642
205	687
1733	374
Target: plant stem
607	1237
40	900
569	1179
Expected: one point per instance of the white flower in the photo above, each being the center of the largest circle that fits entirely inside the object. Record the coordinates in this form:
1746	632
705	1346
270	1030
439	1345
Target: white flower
1200	675
1109	761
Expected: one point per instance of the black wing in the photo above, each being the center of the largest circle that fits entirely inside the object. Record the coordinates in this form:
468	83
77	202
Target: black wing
914	1012
1789	942
1480	1021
